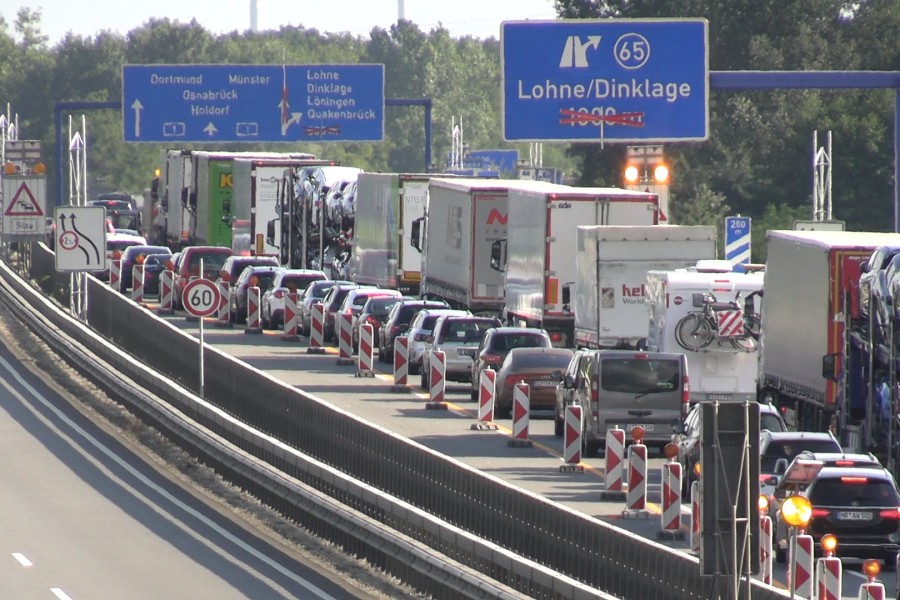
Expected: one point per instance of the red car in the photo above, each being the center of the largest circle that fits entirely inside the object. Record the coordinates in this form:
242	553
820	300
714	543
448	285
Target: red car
213	258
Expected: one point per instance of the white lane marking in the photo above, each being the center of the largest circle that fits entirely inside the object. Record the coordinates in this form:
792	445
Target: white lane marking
320	593
60	594
22	559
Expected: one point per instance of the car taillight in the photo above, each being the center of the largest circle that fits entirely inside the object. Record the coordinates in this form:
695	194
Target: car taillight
492	359
685	396
891	513
373	321
512	380
420	337
556	337
820	512
225	276
844	463
279	294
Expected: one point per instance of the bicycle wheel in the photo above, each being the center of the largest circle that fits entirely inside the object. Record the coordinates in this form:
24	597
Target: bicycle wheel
694	332
749	341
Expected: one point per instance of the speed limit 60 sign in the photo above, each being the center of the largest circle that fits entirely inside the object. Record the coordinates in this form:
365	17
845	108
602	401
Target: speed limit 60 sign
201	297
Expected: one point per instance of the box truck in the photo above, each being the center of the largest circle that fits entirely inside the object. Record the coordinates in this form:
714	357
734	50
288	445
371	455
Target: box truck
611	266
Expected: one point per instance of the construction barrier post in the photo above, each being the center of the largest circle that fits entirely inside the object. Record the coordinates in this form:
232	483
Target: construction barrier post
521	414
166	292
573	423
801	566
615	462
115	274
872	591
223	318
437	370
137	283
290	318
401	362
695	516
366	355
765	549
636	497
254	319
829	578
487	389
317	329
670	516
344	323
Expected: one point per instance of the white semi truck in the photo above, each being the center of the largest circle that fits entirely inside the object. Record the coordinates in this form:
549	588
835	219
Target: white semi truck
387	205
541	243
722	367
611	266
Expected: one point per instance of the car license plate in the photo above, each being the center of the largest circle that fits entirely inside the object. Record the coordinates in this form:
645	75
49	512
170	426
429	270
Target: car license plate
854	515
719	396
647	426
543	383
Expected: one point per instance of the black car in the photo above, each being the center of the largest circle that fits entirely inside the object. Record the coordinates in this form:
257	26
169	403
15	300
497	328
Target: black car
136	255
154	265
397	322
497	343
332	303
261	277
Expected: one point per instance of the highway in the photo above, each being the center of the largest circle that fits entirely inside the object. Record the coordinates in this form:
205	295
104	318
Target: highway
450	432
88	513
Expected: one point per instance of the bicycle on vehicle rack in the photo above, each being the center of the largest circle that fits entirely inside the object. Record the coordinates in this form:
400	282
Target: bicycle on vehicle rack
734	321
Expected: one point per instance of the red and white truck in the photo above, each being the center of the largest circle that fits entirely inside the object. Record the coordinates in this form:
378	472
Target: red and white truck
541	244
463	218
611	265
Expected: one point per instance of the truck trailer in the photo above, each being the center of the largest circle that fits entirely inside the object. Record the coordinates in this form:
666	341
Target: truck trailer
540	246
611	266
387	204
725	366
463	218
811	277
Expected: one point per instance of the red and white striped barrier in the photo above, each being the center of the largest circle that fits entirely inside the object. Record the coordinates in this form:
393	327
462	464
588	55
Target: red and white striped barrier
344	322
137	283
366	355
401	360
437	370
670	516
829	578
872	590
765	549
223	318
615	464
115	274
487	391
166	292
317	329
636	497
521	414
573	423
254	319
695	516
290	318
801	567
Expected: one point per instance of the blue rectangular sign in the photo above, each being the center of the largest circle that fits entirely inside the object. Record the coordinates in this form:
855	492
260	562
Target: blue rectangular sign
737	239
253	103
627	80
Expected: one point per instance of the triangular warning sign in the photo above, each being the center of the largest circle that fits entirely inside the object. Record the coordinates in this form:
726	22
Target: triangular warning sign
23	204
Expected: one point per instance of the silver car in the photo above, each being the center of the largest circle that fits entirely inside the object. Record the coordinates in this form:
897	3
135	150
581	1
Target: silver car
458	338
419	329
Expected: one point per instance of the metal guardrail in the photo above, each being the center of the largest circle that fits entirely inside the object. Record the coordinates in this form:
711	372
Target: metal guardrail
511	536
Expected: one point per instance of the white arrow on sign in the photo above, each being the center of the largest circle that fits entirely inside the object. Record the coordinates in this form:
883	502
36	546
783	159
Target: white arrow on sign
138	107
210	129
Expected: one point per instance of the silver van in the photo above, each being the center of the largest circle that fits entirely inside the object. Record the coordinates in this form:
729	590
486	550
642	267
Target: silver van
625	388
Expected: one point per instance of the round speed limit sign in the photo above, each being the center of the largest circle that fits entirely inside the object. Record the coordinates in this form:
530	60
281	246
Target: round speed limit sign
201	297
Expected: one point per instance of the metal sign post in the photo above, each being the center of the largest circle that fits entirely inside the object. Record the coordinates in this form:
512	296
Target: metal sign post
201	298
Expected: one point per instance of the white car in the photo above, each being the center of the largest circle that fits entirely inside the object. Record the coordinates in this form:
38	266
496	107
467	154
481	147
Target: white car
419	329
458	337
285	282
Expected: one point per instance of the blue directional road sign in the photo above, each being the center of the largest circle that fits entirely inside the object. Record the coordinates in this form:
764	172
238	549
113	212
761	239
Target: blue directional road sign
253	103
628	80
737	240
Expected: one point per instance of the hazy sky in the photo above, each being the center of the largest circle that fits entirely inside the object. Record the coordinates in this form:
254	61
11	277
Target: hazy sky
480	18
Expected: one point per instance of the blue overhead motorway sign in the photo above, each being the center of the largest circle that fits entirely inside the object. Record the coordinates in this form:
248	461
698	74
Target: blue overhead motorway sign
253	103
626	80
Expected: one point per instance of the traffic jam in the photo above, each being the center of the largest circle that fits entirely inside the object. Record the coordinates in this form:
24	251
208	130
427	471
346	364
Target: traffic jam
594	337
